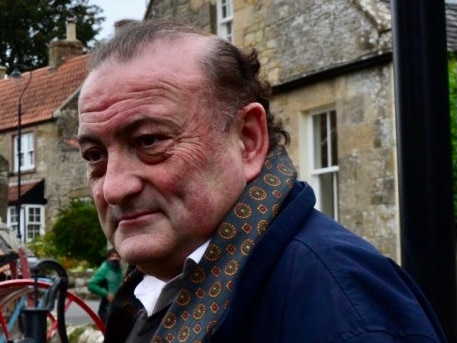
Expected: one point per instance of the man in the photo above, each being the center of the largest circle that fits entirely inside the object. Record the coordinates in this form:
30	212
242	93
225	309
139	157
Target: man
106	281
193	187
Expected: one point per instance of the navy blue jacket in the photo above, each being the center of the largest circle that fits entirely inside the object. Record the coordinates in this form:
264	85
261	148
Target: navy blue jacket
311	280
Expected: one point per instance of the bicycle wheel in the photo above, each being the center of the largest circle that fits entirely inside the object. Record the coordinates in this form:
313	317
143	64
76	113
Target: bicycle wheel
17	293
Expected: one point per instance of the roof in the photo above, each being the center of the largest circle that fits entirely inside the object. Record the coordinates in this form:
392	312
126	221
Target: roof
47	91
32	191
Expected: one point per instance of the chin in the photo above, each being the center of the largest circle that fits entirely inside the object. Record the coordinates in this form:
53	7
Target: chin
137	251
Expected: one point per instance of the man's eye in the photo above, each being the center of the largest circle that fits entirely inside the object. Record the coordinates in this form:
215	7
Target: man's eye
92	155
147	141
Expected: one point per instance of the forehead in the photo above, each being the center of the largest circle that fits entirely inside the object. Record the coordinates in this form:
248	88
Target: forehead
164	64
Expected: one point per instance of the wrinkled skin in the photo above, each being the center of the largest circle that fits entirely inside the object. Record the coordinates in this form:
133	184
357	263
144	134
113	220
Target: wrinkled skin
162	178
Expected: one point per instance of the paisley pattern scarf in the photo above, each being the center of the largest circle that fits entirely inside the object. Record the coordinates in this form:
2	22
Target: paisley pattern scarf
200	304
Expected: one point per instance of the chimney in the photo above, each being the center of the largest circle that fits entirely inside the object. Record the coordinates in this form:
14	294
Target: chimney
71	30
121	23
61	50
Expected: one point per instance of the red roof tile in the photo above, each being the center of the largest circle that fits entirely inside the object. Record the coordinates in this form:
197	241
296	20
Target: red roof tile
47	91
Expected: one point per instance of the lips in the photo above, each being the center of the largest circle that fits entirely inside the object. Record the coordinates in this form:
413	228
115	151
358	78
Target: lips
137	219
134	216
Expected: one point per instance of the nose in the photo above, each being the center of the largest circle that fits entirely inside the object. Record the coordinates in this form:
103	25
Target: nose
121	180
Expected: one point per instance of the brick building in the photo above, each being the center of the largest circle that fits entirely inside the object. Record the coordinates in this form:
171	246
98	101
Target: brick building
52	172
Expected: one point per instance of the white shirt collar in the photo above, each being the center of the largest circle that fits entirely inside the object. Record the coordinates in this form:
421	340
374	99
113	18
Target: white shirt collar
149	290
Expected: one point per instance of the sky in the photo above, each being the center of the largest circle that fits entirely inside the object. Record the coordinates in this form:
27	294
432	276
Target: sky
114	10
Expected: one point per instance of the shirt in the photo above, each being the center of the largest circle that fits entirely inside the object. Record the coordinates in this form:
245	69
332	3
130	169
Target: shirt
156	294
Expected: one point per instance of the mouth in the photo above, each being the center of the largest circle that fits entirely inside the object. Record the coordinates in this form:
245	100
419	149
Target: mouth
136	219
134	216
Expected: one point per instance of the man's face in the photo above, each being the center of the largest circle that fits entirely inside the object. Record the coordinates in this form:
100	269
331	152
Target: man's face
162	178
114	257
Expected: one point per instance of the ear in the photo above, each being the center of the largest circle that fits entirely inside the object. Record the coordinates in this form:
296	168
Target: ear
254	138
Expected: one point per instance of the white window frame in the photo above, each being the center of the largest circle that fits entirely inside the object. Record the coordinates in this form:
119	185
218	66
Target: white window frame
225	19
35	218
26	220
330	167
27	152
11	218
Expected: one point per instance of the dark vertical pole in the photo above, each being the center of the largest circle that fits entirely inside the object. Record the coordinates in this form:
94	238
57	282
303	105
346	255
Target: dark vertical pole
424	150
19	153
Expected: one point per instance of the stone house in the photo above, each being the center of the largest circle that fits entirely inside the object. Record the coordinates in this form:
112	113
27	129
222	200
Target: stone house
331	70
52	172
330	66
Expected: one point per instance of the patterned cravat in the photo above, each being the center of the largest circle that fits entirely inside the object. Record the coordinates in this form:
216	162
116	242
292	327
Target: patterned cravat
208	290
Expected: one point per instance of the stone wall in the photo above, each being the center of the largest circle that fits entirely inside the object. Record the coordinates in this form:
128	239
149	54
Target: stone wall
201	13
297	38
366	148
67	171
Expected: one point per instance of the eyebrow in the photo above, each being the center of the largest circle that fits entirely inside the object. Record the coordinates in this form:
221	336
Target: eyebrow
129	128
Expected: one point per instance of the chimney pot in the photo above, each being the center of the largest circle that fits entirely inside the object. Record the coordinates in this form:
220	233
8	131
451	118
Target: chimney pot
71	29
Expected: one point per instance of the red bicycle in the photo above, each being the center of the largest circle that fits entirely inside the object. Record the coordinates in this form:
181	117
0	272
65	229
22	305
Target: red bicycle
34	307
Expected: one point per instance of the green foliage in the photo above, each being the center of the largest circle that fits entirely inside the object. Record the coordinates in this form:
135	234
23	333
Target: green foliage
453	107
42	246
27	26
76	237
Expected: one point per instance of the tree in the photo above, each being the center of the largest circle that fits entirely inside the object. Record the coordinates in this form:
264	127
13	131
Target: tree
77	233
27	26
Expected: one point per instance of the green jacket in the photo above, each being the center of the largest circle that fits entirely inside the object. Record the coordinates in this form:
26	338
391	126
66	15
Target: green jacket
106	280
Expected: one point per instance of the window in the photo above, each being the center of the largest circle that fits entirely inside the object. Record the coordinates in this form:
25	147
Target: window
225	19
325	161
32	219
12	218
27	157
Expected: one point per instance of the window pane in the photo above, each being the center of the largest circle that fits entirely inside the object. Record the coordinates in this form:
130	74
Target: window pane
228	27
12	214
30	158
228	7
327	199
34	214
320	141
28	150
325	140
333	138
225	19
12	218
325	159
224	10
26	158
33	231
34	221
